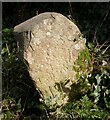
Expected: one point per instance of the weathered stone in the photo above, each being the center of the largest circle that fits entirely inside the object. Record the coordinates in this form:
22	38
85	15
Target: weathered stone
50	43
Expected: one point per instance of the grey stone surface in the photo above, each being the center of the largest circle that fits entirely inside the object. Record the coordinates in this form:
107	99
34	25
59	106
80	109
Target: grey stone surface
50	43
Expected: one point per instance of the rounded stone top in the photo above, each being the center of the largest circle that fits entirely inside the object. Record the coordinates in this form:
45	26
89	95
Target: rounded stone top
43	18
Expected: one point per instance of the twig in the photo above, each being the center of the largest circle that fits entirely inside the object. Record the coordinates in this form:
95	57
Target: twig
106	49
47	114
70	10
7	48
105	18
100	27
25	103
103	44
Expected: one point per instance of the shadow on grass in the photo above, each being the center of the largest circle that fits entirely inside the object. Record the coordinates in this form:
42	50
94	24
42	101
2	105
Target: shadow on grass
18	85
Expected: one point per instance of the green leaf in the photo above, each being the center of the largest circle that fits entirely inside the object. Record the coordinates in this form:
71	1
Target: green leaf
7	30
4	50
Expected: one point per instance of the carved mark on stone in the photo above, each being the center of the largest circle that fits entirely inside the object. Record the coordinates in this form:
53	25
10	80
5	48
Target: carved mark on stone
27	38
52	16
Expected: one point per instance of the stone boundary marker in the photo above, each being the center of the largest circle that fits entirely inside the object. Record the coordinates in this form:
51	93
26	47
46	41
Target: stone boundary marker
50	43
